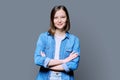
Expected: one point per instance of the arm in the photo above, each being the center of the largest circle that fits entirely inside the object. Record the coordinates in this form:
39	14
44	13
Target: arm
57	65
38	59
55	62
57	68
68	59
52	62
73	64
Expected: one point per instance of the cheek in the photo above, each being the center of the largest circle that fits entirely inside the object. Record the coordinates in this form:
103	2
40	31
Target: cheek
54	21
65	20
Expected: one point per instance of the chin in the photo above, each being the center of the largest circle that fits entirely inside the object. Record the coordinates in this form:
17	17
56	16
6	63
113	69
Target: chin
60	27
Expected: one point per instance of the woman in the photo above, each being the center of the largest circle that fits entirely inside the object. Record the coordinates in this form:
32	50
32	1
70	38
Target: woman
57	51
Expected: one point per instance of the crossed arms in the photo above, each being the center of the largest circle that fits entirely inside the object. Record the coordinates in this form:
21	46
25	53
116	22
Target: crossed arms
67	64
56	65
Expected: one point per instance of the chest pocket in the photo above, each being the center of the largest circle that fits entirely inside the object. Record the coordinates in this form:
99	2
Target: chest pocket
47	50
68	50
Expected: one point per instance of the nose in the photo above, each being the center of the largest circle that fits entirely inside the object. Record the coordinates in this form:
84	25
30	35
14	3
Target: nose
59	19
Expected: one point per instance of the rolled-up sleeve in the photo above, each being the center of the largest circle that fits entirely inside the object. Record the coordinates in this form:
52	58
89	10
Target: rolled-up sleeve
65	67
73	64
47	60
38	59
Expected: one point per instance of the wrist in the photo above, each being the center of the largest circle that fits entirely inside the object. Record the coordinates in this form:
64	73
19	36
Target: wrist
64	61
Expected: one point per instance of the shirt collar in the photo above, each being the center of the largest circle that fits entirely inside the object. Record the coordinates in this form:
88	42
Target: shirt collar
66	34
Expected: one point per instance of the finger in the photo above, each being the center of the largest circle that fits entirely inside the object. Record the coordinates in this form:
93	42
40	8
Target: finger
42	54
71	53
74	55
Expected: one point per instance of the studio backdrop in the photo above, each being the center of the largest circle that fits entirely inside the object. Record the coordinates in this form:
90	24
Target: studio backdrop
95	22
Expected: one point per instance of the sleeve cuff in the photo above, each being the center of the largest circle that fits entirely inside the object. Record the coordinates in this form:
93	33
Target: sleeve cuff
46	62
65	67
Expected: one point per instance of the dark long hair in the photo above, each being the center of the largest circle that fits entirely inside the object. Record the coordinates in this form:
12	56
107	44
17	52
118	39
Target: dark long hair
54	10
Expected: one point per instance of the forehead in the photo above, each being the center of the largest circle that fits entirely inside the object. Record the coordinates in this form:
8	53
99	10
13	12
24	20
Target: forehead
60	12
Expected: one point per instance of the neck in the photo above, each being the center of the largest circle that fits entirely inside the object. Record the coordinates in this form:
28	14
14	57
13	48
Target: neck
59	33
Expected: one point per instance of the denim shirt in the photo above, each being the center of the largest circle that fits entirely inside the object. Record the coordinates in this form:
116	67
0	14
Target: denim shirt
46	44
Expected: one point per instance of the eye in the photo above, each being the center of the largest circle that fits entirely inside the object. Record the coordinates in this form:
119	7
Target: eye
63	16
55	17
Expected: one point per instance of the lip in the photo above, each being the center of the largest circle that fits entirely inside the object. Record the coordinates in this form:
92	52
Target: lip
60	24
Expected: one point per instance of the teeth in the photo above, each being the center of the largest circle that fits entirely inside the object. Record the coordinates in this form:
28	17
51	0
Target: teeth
59	24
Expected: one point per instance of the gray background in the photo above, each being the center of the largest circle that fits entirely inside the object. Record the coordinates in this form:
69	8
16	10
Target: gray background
95	22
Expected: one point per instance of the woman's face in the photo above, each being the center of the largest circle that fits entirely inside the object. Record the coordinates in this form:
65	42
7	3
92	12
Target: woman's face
60	19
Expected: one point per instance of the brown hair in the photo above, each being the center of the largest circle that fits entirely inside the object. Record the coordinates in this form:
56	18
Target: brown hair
54	10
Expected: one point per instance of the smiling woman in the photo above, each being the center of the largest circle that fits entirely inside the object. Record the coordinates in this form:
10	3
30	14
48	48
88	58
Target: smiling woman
60	19
57	51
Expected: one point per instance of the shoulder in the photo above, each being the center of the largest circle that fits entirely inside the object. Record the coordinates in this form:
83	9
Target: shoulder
72	36
43	35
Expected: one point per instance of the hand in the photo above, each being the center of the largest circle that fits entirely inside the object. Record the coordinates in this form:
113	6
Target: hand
70	57
42	54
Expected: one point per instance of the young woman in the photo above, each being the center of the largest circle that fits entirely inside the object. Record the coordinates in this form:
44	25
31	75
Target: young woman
57	51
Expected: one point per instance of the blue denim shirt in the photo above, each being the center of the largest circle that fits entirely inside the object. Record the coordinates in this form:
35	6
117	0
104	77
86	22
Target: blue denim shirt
46	44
